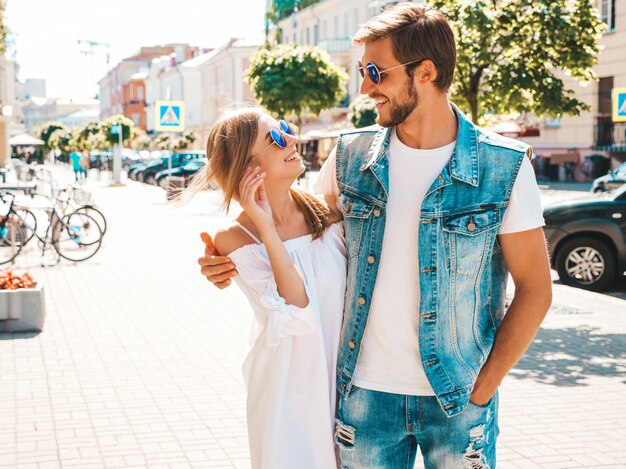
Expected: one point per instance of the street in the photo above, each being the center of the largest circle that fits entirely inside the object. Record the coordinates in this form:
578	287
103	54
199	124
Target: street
139	361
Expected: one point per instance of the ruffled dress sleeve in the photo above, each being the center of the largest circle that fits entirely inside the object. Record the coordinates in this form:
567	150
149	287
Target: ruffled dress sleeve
274	315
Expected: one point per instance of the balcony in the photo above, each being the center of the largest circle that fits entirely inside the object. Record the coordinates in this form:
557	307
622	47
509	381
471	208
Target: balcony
335	46
610	136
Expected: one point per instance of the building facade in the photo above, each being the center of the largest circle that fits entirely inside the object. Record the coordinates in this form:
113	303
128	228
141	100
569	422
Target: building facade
330	25
223	82
113	95
37	111
207	84
134	99
31	87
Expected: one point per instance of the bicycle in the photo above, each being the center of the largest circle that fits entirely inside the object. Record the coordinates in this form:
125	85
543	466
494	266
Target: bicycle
70	199
75	236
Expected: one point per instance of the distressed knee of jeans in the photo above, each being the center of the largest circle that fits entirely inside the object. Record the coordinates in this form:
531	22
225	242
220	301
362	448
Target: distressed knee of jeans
344	434
474	458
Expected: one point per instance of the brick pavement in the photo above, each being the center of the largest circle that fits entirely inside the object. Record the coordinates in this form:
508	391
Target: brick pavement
139	361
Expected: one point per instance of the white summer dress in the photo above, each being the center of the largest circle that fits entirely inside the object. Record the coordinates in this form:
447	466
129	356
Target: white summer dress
290	370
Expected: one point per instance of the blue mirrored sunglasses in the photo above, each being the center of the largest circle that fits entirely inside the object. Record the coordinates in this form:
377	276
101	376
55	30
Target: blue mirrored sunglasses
375	74
278	135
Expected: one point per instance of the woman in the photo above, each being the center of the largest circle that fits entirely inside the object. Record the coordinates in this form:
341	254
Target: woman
291	263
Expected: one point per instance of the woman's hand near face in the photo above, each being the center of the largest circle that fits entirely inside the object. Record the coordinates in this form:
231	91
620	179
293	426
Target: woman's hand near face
254	200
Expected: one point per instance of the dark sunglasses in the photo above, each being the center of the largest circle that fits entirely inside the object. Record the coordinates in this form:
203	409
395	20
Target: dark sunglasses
375	74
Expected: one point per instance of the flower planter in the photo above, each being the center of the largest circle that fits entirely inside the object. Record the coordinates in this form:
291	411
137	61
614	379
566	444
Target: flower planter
22	309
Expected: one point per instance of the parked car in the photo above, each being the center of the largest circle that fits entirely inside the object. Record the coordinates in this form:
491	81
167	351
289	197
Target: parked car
610	181
130	156
100	160
148	173
140	165
186	171
587	239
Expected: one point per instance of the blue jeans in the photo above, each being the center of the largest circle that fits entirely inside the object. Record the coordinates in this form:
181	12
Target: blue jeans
379	430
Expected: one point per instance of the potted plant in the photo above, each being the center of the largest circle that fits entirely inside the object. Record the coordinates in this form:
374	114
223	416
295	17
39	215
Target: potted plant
22	305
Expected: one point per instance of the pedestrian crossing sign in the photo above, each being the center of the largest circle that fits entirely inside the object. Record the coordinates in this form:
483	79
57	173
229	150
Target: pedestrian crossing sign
170	116
619	104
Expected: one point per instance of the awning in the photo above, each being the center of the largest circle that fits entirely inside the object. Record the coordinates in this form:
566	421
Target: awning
25	140
559	158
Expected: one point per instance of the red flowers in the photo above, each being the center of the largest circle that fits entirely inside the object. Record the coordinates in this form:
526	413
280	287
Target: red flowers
10	281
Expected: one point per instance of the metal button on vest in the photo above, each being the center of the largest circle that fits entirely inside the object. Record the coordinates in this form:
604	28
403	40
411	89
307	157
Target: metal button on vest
371	259
471	226
441	179
361	301
377	213
352	344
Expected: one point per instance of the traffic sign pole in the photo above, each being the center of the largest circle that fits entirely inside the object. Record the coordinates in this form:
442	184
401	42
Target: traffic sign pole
619	104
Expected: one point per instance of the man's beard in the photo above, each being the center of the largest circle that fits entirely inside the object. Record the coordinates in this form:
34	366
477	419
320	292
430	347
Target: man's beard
400	111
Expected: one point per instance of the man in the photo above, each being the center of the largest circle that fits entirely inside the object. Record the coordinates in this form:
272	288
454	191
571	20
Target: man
435	212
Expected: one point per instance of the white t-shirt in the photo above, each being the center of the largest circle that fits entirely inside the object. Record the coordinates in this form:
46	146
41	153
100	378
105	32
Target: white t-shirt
389	360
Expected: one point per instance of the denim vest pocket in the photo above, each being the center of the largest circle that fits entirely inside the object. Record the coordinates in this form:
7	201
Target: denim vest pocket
353	207
355	212
467	236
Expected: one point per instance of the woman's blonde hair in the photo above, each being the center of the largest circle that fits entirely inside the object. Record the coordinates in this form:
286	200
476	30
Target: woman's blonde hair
228	150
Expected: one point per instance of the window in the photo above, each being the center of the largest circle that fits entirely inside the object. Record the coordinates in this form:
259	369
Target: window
552	122
136	119
355	16
607	13
308	36
346	26
140	93
336	26
316	34
324	29
605	104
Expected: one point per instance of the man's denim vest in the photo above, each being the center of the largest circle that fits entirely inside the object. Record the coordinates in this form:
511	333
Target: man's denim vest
462	271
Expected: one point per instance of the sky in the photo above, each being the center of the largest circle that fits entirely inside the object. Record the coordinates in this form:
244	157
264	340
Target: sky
45	33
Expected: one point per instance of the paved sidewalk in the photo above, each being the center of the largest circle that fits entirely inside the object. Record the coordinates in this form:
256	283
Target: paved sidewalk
139	362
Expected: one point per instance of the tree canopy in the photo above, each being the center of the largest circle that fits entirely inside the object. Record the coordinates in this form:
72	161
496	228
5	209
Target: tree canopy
362	112
129	131
512	53
3	28
45	131
280	9
291	79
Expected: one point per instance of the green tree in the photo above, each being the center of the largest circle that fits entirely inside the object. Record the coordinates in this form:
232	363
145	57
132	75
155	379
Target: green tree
3	29
45	131
141	142
362	112
163	141
90	137
185	141
280	9
510	53
62	140
129	131
290	79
